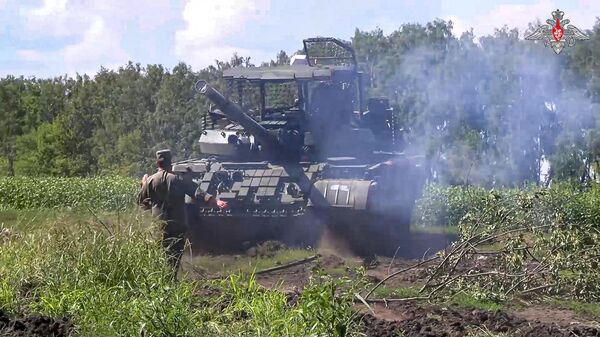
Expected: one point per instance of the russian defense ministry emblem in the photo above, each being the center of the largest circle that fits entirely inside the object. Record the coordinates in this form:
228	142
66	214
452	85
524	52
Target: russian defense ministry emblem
558	33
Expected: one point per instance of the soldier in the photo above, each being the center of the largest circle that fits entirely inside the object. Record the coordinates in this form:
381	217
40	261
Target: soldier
165	192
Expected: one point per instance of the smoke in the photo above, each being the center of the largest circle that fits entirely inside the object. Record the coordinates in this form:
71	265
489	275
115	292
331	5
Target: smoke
488	112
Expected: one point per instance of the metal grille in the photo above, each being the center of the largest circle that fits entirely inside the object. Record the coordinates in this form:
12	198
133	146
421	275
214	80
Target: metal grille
280	95
277	95
328	53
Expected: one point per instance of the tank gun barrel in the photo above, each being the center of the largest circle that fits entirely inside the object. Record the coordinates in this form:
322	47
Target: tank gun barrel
235	113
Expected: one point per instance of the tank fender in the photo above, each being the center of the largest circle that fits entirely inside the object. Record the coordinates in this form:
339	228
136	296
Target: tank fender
344	193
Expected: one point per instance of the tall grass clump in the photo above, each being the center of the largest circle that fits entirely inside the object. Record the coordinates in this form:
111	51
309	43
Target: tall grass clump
442	205
102	193
111	279
244	308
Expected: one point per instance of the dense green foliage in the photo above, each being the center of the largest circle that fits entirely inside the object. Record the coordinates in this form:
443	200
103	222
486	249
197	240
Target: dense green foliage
103	193
447	205
114	281
490	112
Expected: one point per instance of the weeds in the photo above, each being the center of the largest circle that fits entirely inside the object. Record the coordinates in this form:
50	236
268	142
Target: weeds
111	284
104	193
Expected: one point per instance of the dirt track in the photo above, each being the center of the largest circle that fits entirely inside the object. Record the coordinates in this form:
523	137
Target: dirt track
429	321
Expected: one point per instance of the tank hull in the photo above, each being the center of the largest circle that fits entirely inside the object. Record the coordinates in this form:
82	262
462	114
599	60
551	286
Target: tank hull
368	209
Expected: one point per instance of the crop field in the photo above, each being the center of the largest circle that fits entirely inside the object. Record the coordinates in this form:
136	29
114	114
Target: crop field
78	259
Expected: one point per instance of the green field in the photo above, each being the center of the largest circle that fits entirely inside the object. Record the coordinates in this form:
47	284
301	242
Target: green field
102	265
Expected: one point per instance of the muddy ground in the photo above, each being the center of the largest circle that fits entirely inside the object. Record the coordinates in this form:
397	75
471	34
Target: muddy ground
425	318
39	326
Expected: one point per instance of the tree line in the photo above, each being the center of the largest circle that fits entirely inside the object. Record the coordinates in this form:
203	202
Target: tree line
496	111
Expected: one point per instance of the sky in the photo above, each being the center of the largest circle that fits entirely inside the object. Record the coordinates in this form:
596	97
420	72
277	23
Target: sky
46	38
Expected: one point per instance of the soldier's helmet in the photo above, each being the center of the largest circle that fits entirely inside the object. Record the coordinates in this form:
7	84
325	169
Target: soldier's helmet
163	157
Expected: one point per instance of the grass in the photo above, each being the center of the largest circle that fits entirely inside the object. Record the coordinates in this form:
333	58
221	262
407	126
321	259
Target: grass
13	218
113	280
32	219
588	309
469	301
395	292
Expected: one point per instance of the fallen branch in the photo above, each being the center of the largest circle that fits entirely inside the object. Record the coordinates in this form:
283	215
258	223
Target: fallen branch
399	272
264	271
288	265
392	300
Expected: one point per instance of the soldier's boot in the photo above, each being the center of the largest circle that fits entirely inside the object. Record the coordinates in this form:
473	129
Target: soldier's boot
174	249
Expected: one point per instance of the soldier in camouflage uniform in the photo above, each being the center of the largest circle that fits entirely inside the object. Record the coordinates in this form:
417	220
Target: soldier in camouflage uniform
165	192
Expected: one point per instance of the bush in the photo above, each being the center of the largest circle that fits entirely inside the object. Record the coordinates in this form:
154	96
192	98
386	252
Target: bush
105	193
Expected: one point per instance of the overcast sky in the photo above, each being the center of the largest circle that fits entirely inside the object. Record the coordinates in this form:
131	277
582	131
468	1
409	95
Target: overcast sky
52	37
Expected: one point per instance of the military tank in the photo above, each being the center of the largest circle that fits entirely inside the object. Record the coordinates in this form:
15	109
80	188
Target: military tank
295	149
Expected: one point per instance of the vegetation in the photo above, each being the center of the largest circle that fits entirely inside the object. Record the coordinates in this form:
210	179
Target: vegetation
77	265
486	120
101	193
515	242
113	280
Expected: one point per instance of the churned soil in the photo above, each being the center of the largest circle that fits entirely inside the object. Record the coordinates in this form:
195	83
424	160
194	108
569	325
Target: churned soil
414	320
420	319
39	326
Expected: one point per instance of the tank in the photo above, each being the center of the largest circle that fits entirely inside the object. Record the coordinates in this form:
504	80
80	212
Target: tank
296	150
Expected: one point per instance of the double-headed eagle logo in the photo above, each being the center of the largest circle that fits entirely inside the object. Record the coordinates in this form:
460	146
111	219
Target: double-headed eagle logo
558	33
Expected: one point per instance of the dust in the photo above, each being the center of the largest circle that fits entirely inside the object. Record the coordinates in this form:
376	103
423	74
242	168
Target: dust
266	249
332	244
